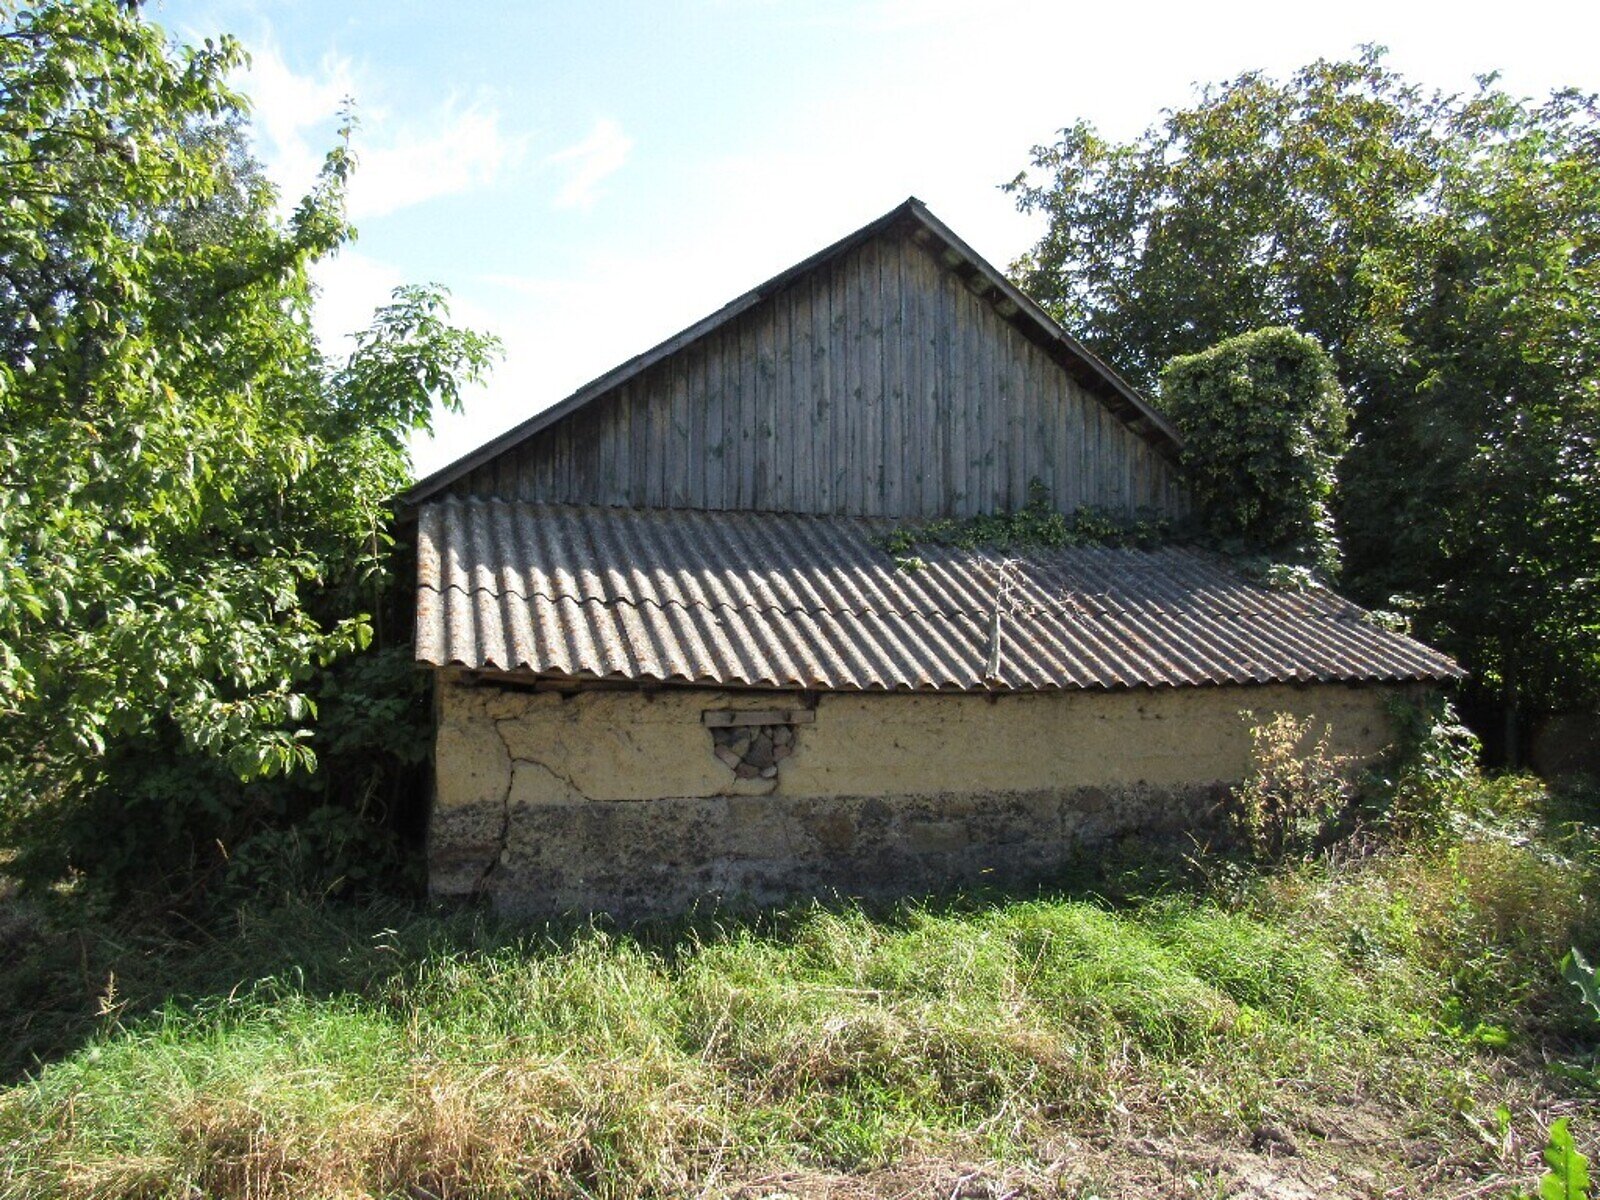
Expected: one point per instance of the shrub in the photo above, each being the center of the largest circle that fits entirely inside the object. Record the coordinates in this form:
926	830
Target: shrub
1431	773
1296	792
1263	421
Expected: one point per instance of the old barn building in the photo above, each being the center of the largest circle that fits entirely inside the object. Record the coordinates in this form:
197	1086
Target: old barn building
673	660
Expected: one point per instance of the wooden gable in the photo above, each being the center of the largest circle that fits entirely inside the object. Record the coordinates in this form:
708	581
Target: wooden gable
895	374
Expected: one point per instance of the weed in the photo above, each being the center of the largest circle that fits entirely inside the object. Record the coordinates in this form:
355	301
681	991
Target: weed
1296	792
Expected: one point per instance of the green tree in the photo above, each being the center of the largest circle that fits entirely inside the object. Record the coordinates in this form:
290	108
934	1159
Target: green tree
1263	423
195	502
1445	249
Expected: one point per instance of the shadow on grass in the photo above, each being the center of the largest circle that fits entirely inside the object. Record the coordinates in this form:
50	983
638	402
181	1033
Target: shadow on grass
66	979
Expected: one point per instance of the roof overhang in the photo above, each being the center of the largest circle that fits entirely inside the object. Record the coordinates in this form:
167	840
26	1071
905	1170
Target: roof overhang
786	601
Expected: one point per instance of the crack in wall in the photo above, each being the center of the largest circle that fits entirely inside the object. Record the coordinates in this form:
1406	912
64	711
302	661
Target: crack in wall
502	840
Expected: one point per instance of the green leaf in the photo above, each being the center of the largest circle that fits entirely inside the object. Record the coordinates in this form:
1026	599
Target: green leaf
1568	1177
1575	969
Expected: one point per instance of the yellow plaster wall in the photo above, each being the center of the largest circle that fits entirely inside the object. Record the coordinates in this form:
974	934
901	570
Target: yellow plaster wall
625	745
518	770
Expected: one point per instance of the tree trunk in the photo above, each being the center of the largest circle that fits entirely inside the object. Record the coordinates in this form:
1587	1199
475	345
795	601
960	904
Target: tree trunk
1512	729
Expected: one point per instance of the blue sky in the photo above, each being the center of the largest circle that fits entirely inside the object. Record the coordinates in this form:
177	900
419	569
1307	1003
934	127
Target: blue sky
588	178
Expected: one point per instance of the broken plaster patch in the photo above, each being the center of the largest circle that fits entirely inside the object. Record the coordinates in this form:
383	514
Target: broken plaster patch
752	753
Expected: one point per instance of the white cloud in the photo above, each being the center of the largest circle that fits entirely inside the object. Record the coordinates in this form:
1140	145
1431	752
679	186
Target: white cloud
465	151
293	115
350	286
600	155
401	162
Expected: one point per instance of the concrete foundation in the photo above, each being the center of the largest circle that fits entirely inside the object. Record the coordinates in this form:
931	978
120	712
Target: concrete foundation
619	801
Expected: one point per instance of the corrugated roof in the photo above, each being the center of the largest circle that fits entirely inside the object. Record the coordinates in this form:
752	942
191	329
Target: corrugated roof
1113	390
790	601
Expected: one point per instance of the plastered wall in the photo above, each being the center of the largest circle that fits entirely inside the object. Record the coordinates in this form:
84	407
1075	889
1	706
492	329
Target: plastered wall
618	800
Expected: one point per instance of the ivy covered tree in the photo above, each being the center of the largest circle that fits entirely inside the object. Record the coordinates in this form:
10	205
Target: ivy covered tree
1445	249
195	502
1263	421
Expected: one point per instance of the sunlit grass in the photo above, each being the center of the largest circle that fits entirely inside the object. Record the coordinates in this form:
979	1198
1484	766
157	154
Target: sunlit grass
372	1051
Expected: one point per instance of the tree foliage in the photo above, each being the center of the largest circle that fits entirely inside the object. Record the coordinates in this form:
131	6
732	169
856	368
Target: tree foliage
1445	249
194	513
1263	421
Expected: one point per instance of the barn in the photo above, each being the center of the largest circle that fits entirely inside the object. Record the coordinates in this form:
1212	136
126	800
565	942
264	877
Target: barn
674	661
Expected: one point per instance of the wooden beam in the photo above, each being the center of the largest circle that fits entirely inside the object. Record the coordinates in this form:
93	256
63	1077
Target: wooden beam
721	718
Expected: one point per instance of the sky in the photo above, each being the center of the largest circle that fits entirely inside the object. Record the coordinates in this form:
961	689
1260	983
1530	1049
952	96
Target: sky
589	178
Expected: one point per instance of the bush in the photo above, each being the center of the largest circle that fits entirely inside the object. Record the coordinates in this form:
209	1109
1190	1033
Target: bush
1431	773
1263	421
1296	793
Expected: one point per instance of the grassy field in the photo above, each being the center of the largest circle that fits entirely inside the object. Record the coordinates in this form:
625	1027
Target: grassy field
1389	1023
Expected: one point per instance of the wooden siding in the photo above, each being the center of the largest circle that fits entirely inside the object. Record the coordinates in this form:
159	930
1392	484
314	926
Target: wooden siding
878	384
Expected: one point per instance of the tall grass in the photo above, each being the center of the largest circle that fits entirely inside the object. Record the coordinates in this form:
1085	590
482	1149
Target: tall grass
328	1052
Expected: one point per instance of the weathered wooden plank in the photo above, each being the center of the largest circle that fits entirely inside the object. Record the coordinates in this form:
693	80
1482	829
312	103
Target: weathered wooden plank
987	345
675	451
802	431
848	304
615	482
919	402
717	423
761	407
1091	484
907	400
821	402
782	487
935	467
745	464
1072	452
694	466
633	485
881	383
524	477
969	404
892	381
598	450
983	407
658	418
1016	469
954	449
871	321
777	394
1097	463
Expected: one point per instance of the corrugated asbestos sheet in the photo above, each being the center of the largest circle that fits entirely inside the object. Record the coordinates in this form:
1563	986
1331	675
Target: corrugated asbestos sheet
790	601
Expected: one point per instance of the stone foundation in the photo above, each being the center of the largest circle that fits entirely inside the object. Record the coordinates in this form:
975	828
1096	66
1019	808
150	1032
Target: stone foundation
642	803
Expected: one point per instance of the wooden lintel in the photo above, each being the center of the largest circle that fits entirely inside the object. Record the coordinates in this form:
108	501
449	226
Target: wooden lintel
721	718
